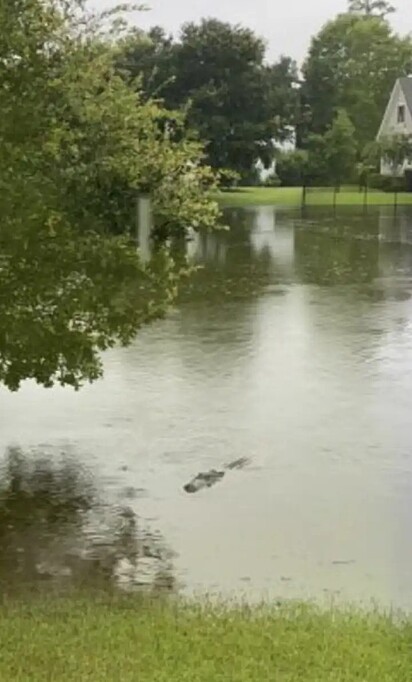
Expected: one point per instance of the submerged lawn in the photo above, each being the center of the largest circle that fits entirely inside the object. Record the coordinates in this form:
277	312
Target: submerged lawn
81	639
292	196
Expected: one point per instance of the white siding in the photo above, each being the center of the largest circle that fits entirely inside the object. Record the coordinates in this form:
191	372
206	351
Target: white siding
391	126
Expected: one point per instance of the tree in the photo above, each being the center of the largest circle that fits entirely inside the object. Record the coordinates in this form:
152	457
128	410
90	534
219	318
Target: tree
76	145
396	150
352	64
340	148
291	167
317	172
151	57
369	8
234	102
283	96
328	159
367	167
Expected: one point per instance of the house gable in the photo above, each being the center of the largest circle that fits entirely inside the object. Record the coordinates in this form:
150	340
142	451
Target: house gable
397	119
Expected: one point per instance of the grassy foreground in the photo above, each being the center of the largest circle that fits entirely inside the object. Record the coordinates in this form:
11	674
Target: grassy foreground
81	639
292	196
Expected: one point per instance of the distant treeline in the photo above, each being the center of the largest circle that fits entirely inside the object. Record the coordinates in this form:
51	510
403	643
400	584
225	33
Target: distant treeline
243	107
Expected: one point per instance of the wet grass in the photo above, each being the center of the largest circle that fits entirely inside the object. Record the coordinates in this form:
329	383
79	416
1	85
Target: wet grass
78	639
292	196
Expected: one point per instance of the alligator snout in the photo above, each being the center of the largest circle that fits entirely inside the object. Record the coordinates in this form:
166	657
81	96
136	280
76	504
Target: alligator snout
203	480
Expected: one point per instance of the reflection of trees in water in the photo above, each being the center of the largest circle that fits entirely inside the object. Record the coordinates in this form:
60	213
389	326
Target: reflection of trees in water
372	251
395	233
231	267
337	252
55	532
396	228
219	299
329	249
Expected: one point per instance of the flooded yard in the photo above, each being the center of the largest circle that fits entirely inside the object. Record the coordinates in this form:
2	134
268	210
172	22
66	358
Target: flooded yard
291	346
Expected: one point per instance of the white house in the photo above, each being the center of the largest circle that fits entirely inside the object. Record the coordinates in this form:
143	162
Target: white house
397	120
285	146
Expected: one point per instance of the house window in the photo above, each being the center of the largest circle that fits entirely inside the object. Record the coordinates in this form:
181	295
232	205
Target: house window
401	114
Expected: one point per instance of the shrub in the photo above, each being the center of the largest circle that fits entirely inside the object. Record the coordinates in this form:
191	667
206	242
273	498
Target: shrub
272	180
387	183
290	167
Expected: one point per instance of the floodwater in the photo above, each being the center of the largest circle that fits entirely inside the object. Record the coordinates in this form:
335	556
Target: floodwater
291	346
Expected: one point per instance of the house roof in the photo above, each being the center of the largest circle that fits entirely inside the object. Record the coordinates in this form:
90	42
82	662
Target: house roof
403	84
406	85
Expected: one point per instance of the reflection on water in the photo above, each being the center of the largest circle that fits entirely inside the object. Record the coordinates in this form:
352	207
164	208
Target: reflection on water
291	345
332	256
54	532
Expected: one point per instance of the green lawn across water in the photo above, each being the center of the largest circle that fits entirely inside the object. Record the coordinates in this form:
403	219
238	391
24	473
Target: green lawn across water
125	639
292	196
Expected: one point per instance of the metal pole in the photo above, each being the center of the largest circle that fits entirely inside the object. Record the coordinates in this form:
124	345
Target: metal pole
365	198
303	205
335	192
144	225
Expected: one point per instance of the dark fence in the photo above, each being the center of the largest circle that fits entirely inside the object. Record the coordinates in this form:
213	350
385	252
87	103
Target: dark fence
329	196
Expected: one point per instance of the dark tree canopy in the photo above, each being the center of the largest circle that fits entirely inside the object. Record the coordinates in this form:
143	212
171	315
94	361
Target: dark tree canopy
379	8
235	103
352	64
340	146
76	145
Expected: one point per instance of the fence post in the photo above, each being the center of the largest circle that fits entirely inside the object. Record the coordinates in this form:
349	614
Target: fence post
144	225
303	204
365	198
335	193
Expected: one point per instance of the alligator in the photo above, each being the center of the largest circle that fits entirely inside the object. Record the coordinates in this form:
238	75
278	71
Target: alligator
205	479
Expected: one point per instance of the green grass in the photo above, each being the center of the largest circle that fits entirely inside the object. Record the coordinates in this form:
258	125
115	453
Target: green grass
80	639
292	196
